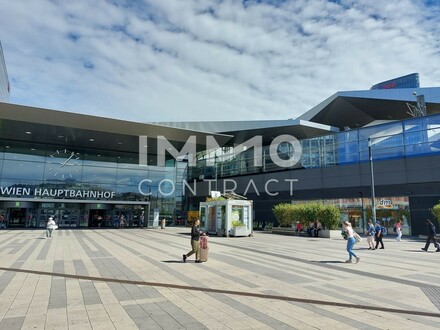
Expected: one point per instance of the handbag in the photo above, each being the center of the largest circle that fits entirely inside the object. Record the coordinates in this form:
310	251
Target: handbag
344	234
356	236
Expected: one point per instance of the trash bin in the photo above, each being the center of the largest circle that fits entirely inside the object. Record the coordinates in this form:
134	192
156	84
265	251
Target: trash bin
162	224
204	248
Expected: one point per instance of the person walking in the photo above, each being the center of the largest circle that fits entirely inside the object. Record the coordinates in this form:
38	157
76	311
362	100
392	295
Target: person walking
431	236
122	221
141	220
350	242
195	241
50	226
398	226
370	235
379	235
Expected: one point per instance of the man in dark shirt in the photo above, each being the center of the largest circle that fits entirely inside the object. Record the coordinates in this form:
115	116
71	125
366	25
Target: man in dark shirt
195	244
378	235
431	236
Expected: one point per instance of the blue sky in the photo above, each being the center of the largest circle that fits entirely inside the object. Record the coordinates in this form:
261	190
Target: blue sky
185	60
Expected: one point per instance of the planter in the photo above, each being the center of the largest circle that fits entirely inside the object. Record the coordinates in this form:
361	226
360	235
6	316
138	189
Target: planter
325	233
284	231
239	231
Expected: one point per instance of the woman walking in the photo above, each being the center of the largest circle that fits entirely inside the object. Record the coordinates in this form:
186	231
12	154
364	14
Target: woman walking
399	230
50	226
350	242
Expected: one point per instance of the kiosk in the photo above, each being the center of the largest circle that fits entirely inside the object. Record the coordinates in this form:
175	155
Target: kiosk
226	217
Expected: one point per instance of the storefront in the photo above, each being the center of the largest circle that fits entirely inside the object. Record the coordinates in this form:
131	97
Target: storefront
388	210
74	213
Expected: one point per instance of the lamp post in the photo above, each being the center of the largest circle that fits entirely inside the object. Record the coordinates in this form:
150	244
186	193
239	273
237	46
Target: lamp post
215	172
216	177
373	195
362	209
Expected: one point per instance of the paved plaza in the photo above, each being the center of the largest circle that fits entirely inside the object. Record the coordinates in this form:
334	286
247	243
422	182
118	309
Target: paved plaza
135	279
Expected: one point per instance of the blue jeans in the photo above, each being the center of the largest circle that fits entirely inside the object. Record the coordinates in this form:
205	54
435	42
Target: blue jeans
350	244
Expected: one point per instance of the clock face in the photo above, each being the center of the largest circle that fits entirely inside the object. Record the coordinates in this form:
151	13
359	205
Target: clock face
64	163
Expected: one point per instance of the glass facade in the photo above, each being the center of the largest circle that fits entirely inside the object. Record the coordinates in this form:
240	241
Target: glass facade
84	187
408	81
409	138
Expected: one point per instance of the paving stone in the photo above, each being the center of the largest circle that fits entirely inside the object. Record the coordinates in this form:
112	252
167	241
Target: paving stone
251	269
12	323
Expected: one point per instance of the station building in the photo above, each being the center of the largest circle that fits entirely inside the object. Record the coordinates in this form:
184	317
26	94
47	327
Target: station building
348	141
88	171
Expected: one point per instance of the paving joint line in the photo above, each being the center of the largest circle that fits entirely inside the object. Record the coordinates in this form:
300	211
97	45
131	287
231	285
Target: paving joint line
229	292
326	265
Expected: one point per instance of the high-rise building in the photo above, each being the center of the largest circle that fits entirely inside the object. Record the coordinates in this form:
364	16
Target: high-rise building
408	81
4	81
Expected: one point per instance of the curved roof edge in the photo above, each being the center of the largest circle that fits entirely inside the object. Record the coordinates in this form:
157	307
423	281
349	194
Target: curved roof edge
359	108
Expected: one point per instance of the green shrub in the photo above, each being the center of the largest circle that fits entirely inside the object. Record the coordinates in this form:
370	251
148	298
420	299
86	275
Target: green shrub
287	214
310	212
282	213
330	217
436	211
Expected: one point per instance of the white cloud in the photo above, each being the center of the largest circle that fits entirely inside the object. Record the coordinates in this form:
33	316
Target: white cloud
179	60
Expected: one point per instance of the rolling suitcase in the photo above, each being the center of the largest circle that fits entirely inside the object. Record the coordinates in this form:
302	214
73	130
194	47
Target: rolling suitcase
204	248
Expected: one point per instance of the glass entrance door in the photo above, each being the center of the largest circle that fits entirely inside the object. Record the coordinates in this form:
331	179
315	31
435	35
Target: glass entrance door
129	215
97	218
17	217
65	215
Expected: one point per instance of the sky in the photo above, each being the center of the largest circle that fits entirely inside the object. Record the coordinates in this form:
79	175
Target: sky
209	60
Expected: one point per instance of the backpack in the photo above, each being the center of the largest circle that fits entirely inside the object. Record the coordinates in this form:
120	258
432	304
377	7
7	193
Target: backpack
384	231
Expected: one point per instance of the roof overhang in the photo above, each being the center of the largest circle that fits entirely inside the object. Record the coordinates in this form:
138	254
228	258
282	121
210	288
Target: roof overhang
300	129
359	108
24	123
